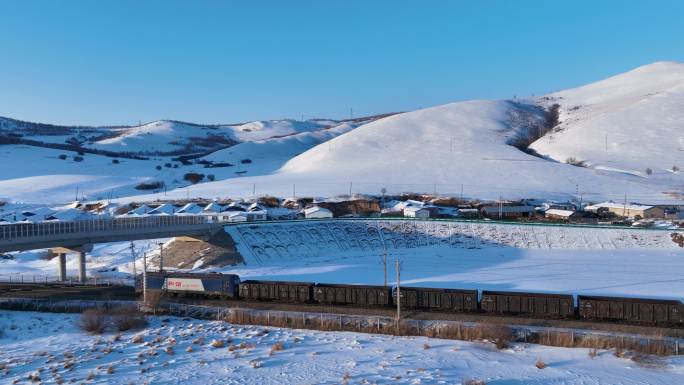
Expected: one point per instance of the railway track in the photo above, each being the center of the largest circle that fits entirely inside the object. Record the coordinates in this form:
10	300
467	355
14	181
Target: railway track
60	291
57	292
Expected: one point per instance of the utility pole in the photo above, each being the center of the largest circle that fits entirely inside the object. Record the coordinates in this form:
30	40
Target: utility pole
145	277
351	113
384	263
398	293
461	192
624	207
161	257
135	275
254	189
350	189
294	191
500	207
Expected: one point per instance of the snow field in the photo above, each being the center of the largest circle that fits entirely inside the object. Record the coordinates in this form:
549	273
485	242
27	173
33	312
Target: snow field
184	351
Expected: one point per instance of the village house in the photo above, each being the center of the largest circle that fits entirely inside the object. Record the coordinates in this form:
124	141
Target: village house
507	212
562	215
631	210
316	212
417	212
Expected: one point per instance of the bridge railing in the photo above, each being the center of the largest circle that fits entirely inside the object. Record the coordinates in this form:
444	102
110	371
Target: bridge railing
42	229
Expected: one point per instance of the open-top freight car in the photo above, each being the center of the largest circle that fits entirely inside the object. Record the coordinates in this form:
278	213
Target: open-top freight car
295	292
204	284
358	295
426	298
636	310
537	304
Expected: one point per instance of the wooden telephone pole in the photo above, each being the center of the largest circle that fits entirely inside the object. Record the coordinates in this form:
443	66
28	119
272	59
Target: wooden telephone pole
398	293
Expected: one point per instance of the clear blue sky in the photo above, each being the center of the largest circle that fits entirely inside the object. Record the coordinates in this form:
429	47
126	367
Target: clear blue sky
117	62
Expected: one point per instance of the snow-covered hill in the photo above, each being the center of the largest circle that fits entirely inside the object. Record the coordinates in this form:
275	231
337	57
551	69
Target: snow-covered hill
628	123
166	136
44	175
626	129
452	149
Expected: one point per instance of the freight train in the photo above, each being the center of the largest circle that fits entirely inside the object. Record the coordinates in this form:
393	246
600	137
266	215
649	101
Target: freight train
537	305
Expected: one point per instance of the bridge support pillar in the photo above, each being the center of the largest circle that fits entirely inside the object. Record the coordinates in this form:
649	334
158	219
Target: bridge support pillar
82	266
61	266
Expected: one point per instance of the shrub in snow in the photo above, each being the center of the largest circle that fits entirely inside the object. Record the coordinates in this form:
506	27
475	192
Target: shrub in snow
593	353
62	157
540	364
129	318
278	346
78	158
675	168
193	177
217	343
211	177
649	171
154	185
93	321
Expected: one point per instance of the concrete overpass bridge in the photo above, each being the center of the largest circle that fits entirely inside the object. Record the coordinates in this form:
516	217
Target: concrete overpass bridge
79	236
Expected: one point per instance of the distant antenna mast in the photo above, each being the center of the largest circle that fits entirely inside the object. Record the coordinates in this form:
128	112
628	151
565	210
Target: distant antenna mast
351	113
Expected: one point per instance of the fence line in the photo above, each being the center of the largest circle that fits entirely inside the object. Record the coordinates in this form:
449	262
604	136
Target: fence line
29	279
29	230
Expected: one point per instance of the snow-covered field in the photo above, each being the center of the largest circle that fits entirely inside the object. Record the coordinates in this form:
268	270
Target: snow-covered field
466	255
179	351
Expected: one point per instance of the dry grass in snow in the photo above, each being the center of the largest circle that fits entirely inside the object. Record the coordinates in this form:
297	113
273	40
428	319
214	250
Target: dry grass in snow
172	350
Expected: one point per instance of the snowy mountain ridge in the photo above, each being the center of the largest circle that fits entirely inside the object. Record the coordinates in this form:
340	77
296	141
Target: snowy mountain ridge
619	138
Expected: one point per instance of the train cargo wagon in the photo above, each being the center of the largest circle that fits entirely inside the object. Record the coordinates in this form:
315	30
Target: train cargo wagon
439	299
359	295
538	304
298	292
636	310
